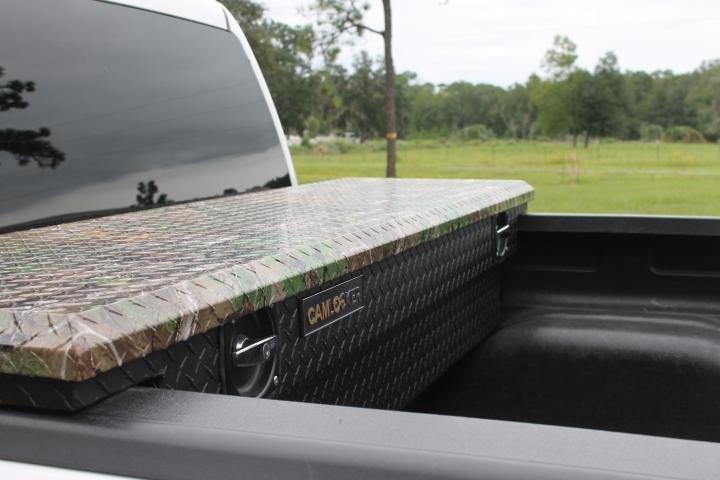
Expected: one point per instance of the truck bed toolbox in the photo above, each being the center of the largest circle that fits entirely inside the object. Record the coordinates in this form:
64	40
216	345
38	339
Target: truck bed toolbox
354	292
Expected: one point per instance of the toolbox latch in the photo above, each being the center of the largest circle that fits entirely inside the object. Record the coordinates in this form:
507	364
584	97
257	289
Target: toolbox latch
249	352
502	236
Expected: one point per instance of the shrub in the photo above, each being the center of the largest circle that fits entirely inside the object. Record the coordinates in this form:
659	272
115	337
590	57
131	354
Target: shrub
442	132
312	126
683	134
476	132
651	132
343	146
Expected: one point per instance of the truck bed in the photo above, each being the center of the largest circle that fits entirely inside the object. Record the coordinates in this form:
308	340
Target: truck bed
609	323
605	365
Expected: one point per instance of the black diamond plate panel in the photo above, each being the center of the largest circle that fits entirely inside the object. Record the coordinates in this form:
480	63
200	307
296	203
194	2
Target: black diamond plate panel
192	365
425	308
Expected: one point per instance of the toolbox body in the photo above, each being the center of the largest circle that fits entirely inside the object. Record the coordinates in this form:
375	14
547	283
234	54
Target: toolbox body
354	292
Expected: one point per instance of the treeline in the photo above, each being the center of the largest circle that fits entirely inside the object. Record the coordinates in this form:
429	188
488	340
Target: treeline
316	95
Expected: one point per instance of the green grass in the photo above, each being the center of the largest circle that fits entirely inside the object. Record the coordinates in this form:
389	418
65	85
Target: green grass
614	177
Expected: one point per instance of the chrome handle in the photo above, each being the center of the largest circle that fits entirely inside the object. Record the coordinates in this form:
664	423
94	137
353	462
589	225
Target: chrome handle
503	231
502	234
249	352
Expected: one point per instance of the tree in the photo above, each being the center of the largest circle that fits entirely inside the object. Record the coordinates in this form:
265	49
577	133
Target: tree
11	93
595	115
583	103
285	55
463	104
370	100
25	145
611	90
517	112
146	195
423	111
600	100
559	60
563	106
364	102
291	79
637	87
575	101
403	85
551	101
557	98
347	16
704	98
666	103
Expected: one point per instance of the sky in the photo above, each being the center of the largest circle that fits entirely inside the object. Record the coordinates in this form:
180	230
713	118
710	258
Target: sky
503	41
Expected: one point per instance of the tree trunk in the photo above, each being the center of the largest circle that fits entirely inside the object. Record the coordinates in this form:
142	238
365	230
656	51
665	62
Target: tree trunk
574	135
390	93
587	139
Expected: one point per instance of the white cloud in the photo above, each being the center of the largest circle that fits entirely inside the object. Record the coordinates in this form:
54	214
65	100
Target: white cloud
502	42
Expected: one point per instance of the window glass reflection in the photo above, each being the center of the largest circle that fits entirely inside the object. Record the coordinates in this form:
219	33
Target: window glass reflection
105	108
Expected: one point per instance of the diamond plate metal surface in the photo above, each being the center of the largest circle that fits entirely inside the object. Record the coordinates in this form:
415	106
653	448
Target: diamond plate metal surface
425	308
192	365
82	298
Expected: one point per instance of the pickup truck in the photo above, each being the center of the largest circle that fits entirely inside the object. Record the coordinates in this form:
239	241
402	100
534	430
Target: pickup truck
174	305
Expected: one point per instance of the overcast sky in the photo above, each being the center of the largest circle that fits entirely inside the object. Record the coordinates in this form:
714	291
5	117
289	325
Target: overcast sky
503	41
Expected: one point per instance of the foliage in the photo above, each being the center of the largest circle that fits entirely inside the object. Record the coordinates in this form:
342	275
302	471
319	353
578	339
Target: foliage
683	134
651	132
25	145
666	102
341	20
518	115
476	132
343	16
365	104
315	95
704	98
559	61
11	93
580	103
285	56
146	195
312	127
608	113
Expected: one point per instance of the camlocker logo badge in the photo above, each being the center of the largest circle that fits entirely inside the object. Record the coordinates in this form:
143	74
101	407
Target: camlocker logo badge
331	305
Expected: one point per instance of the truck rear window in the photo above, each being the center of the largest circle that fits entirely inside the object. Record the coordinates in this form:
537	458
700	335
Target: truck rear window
105	108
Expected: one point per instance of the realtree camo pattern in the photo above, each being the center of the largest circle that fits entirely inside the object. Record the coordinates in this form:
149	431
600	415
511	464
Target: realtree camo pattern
81	298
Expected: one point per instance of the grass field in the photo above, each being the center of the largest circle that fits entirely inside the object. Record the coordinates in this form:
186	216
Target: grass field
622	177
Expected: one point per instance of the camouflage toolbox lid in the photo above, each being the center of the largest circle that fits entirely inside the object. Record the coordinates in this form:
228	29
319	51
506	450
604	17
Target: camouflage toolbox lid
82	298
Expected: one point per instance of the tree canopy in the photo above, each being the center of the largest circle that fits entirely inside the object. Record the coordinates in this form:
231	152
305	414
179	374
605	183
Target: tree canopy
314	94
